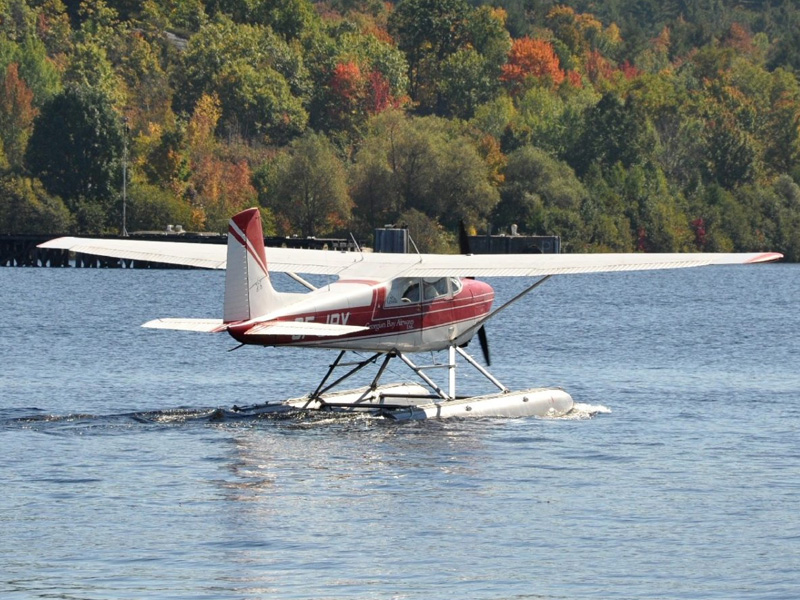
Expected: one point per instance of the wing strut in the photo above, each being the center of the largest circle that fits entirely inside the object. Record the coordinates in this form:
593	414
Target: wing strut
522	294
301	281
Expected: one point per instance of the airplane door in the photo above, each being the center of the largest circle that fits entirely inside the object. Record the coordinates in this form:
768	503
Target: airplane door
437	311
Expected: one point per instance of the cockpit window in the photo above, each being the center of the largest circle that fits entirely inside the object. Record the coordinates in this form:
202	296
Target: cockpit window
434	287
455	285
408	290
403	291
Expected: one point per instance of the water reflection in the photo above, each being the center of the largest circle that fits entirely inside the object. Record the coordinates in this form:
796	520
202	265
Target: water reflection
345	497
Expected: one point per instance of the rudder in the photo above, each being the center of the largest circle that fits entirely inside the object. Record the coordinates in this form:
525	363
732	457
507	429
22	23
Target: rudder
248	291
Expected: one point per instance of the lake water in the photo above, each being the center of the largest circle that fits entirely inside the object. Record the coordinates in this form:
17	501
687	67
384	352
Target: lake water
684	484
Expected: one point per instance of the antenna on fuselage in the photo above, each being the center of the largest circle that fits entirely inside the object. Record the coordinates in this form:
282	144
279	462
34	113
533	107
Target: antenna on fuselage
410	239
355	243
464	248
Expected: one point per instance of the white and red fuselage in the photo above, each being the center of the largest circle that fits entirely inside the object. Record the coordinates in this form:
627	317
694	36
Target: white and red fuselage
406	314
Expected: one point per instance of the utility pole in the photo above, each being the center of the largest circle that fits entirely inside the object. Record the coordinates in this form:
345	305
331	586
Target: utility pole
125	177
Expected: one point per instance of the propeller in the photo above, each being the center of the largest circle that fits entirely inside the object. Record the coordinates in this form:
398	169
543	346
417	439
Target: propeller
484	341
463	247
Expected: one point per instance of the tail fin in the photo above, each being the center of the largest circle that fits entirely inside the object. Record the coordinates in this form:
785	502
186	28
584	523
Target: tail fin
248	291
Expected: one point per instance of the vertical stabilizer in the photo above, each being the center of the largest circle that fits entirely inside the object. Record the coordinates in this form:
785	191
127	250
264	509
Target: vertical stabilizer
248	291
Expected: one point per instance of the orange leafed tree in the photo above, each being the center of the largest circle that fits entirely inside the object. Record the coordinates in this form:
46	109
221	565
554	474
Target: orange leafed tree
531	58
356	93
598	68
218	185
16	114
347	83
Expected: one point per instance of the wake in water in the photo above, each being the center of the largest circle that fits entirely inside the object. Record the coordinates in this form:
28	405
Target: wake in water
584	411
35	419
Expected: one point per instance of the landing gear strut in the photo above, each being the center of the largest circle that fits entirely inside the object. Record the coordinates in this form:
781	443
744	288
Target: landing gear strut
439	392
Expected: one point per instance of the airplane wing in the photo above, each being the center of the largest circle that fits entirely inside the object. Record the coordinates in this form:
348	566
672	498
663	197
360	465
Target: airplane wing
533	265
382	267
207	256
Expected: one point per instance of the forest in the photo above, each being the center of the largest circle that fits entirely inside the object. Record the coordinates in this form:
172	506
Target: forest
635	125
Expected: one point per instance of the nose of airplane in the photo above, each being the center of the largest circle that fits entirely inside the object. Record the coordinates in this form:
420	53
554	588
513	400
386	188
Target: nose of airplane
482	292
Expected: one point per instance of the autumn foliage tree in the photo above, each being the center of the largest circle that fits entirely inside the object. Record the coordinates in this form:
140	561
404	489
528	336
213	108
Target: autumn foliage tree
531	60
218	186
673	115
16	115
357	93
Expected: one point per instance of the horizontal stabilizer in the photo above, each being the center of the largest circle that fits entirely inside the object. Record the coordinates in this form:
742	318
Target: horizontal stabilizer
203	325
303	328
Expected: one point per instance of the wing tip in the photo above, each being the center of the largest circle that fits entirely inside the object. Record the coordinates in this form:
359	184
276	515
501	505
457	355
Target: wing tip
60	243
765	257
181	324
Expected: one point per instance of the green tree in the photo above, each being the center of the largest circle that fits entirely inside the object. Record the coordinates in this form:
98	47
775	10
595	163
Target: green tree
260	80
75	148
258	103
291	19
604	212
17	19
616	131
28	208
731	153
100	23
465	83
657	214
542	195
495	116
152	208
90	67
782	123
428	31
376	197
426	232
308	188
788	218
785	51
470	75
422	163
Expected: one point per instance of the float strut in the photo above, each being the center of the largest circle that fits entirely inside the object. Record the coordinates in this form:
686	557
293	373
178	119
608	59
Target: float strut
321	390
418	370
374	385
480	369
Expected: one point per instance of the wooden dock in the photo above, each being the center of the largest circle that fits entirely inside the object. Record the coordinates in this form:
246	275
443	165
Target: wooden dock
22	251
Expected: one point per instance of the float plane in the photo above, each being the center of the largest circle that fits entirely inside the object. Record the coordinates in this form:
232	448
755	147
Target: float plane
387	306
